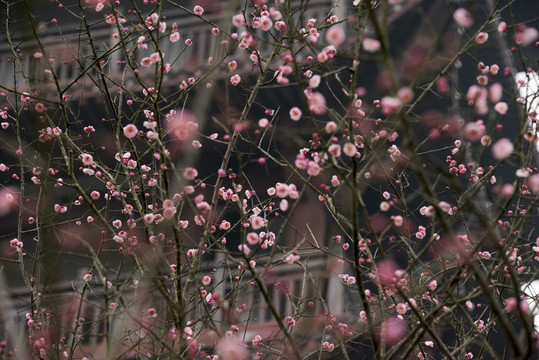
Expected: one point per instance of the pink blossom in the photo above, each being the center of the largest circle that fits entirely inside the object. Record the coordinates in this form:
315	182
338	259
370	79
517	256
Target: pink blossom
335	35
252	238
473	131
182	124
237	20
152	313
265	23
371	45
393	330
533	183
481	38
463	18
401	308
313	169
405	94
231	349
130	131
175	36
146	61
198	10
501	108
281	190
391	105
502	149
257	222
295	113
8	199
40	107
526	35
495	92
87	159
235	79
149	218
349	149
317	103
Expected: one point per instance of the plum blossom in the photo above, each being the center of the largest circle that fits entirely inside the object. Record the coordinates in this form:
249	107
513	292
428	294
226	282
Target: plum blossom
474	131
295	113
317	103
235	79
371	45
502	149
231	349
198	10
130	131
463	18
501	108
335	35
481	38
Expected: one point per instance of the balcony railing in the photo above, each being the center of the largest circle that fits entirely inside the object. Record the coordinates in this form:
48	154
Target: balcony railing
73	57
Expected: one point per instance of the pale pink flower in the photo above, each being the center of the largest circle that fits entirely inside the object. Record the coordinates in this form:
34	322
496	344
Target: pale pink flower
252	238
237	20
244	249
231	349
87	159
401	308
295	113
149	218
335	35
175	36
182	124
313	169
533	184
265	23
371	45
349	149
40	107
146	61
235	79
495	92
130	131
206	280
391	105
281	190
405	94
481	38
501	108
198	10
257	222
283	205
393	330
330	127
502	149
155	57
463	18
152	313
317	103
474	131
526	35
